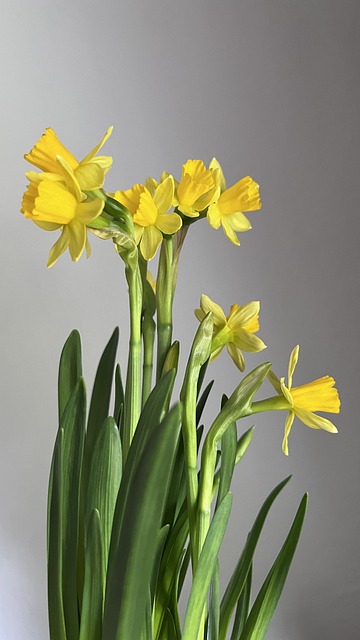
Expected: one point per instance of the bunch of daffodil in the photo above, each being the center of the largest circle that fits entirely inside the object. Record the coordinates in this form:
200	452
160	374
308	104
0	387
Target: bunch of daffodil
139	493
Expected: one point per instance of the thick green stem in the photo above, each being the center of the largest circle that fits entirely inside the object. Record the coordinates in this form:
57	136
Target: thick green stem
208	459
148	339
133	378
165	286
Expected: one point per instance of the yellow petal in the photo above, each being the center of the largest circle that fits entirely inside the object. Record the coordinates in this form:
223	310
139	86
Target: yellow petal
90	176
214	215
294	356
150	242
315	422
285	392
68	174
236	355
59	247
164	194
219	177
247	341
288	424
77	234
169	223
93	153
229	232
206	304
48	226
88	211
240	316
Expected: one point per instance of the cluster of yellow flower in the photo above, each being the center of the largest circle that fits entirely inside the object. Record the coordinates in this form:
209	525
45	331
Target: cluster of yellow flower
66	196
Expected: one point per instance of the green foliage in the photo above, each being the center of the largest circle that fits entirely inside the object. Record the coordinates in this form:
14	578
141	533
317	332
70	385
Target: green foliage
119	530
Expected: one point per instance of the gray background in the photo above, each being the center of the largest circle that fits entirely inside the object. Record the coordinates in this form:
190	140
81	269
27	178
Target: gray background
271	88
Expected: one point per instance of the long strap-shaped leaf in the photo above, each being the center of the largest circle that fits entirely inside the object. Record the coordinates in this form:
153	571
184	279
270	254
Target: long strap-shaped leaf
270	592
73	425
205	569
55	596
70	369
132	564
104	482
150	418
100	398
93	593
238	579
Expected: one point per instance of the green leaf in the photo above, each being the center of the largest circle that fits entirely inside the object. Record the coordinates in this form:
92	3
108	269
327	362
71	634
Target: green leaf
73	426
205	569
55	527
94	582
104	482
228	457
212	632
133	560
202	401
150	418
119	398
100	398
242	608
239	576
70	369
270	592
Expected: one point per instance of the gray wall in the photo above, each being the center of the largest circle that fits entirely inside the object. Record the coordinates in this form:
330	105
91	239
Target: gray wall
271	88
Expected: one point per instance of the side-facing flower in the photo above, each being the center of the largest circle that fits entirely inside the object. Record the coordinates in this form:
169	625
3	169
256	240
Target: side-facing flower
228	209
89	172
149	207
195	190
236	330
303	401
52	205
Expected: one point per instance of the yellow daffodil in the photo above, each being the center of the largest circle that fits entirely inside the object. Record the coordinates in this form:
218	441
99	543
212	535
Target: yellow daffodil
195	190
60	205
236	330
228	209
303	401
149	207
89	173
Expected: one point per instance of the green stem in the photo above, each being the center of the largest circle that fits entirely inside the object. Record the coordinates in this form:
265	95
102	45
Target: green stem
148	340
208	459
133	378
165	286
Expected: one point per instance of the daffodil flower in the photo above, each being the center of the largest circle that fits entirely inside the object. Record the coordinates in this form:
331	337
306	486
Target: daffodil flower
52	205
149	207
236	330
195	190
303	401
228	209
89	172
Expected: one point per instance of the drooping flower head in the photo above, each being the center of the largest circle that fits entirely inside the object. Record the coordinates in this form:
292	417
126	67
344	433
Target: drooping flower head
149	206
235	331
228	209
53	205
195	190
89	172
304	401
